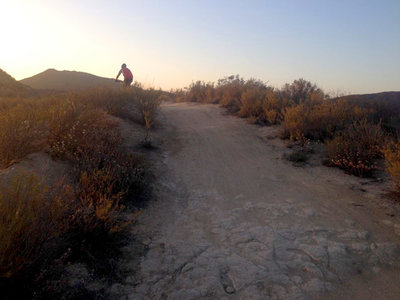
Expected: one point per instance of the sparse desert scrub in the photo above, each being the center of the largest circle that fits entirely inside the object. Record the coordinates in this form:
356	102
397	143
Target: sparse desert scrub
106	175
298	156
355	149
31	218
83	136
252	105
300	91
179	95
201	92
229	91
166	97
76	127
274	106
350	128
126	103
146	103
9	102
245	97
116	102
22	131
320	119
391	152
98	210
104	191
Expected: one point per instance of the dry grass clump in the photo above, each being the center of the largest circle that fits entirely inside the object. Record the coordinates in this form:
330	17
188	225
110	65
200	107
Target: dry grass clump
355	149
31	217
104	191
22	131
391	153
146	103
116	102
99	207
82	135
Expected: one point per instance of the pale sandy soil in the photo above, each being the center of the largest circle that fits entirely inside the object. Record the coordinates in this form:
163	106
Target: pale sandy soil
233	219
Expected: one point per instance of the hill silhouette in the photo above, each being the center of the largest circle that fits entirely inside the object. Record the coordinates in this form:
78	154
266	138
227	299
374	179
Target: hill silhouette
386	105
390	97
9	87
52	79
389	101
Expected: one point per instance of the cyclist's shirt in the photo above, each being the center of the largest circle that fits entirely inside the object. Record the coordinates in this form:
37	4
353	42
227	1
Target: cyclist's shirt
127	73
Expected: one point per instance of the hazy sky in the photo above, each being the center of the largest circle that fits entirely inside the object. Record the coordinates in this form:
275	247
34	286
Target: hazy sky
347	45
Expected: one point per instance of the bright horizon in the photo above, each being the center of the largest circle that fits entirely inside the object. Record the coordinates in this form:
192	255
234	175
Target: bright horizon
347	46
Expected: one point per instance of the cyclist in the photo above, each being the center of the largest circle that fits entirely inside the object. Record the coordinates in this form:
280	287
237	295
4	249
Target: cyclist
128	77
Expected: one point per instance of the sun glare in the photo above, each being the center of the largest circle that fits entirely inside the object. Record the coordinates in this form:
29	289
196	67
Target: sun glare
39	33
24	35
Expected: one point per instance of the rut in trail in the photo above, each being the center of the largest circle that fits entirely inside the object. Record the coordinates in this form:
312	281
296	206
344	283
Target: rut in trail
233	220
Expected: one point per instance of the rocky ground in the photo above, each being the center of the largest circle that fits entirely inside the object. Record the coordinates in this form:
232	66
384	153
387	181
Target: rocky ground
234	219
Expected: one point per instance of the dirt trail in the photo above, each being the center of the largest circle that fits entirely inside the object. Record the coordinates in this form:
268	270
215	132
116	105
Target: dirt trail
233	220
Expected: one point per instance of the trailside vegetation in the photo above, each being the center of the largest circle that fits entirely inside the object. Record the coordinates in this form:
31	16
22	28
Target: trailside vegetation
354	129
82	217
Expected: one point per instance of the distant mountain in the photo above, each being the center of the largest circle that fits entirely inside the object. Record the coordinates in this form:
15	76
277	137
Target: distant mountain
52	79
9	87
387	101
384	96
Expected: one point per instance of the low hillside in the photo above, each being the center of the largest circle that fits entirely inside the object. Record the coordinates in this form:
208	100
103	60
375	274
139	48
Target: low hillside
386	105
52	79
9	87
391	100
384	96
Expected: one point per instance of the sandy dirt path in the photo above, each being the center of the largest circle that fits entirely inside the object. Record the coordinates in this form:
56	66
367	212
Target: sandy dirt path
234	220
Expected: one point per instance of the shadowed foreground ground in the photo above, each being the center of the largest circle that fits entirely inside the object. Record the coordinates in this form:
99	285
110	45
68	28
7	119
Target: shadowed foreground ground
233	220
